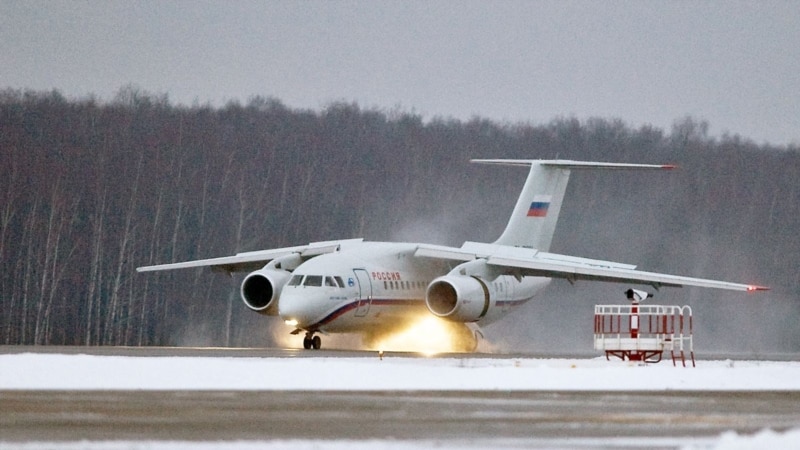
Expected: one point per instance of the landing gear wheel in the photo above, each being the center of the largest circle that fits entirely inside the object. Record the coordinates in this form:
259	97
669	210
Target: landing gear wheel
311	341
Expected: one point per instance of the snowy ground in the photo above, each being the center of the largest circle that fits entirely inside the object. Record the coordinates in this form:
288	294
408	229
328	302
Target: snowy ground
35	371
728	441
91	372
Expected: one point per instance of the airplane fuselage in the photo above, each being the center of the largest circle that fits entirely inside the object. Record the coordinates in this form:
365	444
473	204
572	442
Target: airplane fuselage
379	285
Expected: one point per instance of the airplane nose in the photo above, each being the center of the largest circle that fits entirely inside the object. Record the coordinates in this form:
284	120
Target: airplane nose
298	308
288	307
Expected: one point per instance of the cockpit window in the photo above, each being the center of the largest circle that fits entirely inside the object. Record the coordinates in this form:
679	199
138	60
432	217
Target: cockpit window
316	281
313	280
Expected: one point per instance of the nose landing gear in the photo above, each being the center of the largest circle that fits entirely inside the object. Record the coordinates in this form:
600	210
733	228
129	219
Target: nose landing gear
310	341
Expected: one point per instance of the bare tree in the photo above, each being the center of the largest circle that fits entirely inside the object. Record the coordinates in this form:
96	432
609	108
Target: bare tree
154	241
95	270
59	265
113	329
7	307
30	267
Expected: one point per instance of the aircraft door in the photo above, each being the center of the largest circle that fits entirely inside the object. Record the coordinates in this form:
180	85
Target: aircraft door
364	292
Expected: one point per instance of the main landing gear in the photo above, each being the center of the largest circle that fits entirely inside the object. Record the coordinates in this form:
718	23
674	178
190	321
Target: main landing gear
310	341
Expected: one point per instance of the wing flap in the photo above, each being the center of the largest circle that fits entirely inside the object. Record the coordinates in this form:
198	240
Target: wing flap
249	261
475	250
442	252
529	262
576	271
235	263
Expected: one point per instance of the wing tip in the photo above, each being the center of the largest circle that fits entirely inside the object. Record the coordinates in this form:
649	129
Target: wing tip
755	288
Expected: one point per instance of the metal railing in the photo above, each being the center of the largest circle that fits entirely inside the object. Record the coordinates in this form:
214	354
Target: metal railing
643	332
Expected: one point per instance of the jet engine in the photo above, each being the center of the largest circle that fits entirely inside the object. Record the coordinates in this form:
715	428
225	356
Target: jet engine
260	290
458	298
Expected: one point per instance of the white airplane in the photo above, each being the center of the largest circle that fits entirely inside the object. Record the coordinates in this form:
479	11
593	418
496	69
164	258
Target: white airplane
370	288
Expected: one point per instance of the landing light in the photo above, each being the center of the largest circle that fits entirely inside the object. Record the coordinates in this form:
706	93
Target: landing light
291	322
757	288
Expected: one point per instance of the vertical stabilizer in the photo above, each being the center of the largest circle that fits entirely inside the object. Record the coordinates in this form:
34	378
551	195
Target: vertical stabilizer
533	222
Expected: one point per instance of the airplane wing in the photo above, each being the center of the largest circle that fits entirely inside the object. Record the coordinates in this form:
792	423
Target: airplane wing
530	262
250	261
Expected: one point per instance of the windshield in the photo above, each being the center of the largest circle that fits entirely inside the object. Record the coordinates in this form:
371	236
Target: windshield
316	281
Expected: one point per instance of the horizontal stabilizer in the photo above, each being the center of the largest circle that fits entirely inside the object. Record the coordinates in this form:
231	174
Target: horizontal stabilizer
569	164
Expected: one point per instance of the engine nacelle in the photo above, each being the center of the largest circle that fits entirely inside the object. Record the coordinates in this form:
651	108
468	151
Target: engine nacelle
458	298
261	289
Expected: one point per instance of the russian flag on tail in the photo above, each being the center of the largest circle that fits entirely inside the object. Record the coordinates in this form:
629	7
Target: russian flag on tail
539	206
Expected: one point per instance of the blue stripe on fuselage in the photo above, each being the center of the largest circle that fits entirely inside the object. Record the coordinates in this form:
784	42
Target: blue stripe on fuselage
344	309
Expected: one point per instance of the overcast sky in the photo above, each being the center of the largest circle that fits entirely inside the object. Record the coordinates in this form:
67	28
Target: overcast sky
734	64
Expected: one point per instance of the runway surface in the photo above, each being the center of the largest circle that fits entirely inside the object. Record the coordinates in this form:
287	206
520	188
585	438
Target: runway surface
321	419
214	416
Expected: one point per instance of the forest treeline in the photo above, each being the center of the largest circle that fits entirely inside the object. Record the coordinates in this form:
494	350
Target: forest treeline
90	190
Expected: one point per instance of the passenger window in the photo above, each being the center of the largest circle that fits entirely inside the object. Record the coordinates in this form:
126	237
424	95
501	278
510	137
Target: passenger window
313	280
340	281
385	287
295	281
329	281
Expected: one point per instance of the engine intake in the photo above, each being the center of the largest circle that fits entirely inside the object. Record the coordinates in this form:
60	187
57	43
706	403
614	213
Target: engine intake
458	298
261	289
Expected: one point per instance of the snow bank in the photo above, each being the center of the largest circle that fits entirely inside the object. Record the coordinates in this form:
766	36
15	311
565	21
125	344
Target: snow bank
765	439
87	372
727	441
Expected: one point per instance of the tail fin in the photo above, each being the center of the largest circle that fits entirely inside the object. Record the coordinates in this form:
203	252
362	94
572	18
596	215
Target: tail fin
533	222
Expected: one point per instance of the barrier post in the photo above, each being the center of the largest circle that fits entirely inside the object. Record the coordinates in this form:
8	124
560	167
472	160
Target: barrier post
634	326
